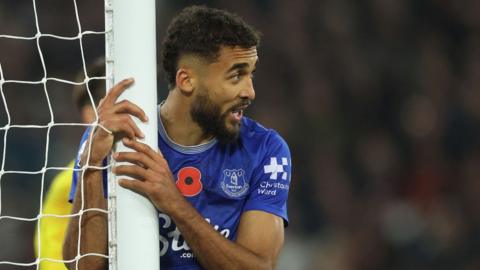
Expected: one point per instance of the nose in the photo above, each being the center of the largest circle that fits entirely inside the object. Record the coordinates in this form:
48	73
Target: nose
248	91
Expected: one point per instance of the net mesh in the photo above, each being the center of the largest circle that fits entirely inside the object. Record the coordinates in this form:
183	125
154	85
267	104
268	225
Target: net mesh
28	176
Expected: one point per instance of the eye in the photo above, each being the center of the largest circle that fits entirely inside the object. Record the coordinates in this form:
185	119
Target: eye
236	77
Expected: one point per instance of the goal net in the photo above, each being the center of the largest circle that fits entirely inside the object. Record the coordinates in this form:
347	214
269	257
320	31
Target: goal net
43	45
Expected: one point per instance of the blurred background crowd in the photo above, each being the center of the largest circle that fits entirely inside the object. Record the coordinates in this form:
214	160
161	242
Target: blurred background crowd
378	100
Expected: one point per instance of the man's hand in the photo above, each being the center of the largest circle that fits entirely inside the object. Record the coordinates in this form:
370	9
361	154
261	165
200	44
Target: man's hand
116	118
151	174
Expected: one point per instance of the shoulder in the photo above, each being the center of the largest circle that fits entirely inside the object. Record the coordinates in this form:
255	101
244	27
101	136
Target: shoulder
256	135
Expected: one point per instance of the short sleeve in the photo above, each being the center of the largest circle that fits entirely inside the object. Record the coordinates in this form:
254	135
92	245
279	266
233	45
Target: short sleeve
77	168
271	179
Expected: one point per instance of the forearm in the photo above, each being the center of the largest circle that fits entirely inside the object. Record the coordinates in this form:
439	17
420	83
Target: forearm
211	249
93	234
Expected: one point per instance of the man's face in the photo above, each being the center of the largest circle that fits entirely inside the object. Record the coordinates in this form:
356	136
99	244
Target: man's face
224	91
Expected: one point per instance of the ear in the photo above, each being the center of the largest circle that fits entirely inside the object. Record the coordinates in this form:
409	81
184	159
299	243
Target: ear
184	80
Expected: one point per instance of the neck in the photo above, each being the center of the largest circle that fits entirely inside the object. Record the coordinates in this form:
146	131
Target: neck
178	123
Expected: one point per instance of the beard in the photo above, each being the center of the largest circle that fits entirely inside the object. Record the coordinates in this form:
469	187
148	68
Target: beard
212	121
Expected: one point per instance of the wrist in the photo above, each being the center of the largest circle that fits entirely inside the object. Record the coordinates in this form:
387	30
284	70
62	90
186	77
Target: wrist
181	210
92	161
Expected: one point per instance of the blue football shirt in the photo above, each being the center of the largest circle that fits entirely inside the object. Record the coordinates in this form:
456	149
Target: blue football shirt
222	181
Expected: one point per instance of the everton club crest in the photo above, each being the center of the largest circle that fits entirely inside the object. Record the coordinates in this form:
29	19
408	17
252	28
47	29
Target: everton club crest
234	183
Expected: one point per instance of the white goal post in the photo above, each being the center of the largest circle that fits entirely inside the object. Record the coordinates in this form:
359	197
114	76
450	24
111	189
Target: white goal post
131	52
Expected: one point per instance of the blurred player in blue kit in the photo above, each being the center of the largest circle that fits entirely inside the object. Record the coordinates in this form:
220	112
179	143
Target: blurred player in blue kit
219	180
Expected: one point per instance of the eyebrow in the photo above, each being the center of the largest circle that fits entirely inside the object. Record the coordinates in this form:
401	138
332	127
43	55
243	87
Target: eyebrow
240	66
237	66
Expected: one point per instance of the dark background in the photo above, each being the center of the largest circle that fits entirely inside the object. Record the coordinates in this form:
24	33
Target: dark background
378	100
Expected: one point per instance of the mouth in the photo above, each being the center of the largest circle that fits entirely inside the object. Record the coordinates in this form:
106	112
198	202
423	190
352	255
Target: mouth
237	111
237	114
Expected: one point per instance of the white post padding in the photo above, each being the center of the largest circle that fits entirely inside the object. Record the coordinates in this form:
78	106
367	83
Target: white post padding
131	52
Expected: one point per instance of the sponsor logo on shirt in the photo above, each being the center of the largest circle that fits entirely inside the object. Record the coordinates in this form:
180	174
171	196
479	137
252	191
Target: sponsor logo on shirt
276	170
269	188
174	240
233	183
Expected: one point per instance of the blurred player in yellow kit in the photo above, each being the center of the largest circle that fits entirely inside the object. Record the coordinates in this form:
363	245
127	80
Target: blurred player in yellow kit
52	229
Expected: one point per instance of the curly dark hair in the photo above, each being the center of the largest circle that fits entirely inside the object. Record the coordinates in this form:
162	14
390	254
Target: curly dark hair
201	30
